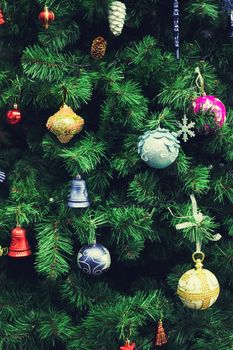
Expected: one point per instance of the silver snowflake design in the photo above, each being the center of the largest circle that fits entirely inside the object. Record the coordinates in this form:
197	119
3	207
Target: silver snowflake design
185	129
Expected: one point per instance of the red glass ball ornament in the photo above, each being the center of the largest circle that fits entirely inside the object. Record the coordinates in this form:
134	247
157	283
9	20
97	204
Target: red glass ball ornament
2	19
14	115
19	246
46	17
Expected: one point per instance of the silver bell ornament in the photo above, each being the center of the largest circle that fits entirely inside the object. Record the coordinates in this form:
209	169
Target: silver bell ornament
158	148
78	197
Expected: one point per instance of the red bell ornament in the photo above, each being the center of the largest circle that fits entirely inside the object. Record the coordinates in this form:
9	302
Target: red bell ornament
128	346
46	17
14	115
19	246
2	18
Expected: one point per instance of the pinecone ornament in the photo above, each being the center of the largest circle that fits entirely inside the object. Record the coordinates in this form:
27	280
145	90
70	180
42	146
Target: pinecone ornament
98	47
116	17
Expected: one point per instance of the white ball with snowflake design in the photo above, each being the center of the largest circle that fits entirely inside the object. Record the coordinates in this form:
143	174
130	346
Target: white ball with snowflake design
158	148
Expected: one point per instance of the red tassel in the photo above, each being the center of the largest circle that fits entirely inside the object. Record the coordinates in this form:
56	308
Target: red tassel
128	346
161	338
2	19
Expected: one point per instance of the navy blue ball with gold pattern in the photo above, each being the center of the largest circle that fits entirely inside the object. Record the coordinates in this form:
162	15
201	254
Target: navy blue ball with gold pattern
94	259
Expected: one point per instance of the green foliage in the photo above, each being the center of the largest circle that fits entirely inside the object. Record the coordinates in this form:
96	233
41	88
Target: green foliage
54	248
203	11
85	155
197	180
131	226
223	188
86	225
59	38
144	189
82	295
138	86
124	314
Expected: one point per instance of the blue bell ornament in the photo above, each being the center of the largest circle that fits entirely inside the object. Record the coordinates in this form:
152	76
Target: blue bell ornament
78	197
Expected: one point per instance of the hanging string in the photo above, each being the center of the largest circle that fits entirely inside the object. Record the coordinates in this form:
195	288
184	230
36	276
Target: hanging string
176	28
199	218
228	6
200	81
64	95
17	214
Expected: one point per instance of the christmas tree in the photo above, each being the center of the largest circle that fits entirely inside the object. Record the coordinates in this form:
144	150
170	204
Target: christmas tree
116	139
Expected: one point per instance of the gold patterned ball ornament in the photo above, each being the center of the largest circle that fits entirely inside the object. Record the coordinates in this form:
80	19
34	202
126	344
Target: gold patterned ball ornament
65	124
198	288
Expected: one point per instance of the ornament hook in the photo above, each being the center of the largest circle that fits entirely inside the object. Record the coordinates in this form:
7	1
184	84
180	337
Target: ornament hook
200	81
198	258
64	95
200	254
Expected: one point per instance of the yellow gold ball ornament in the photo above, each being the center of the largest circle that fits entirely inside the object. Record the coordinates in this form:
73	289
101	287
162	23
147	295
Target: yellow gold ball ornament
65	124
198	288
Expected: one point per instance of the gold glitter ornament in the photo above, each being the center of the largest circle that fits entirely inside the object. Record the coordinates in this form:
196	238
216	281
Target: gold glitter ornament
65	124
198	288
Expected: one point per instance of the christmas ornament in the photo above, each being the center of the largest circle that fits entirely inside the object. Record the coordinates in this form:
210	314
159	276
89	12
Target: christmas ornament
46	17
98	47
209	104
161	338
3	251
78	197
158	148
2	18
198	288
228	6
176	27
185	130
128	346
94	259
65	124
116	17
212	105
19	246
2	176
14	115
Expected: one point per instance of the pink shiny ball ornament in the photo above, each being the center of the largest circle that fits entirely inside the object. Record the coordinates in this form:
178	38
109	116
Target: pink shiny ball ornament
212	105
